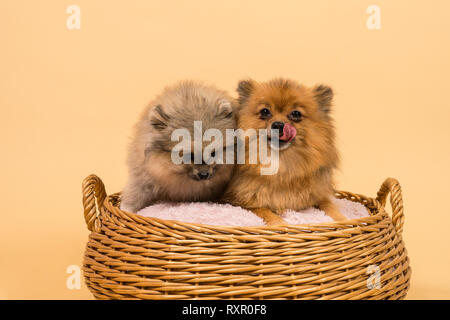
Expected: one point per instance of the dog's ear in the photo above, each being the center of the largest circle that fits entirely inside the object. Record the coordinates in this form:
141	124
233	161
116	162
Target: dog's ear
324	97
158	118
244	89
226	109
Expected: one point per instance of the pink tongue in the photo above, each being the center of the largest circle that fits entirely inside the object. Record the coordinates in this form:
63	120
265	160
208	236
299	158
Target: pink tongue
289	132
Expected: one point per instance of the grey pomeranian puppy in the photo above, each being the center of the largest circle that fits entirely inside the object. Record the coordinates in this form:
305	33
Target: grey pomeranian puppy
153	175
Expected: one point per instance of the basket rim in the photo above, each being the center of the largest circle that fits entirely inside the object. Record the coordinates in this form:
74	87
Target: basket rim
333	227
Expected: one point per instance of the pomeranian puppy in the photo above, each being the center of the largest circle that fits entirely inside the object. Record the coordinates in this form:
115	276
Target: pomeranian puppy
306	146
153	175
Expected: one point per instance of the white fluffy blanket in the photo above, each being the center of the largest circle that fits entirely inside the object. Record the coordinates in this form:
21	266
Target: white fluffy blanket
228	215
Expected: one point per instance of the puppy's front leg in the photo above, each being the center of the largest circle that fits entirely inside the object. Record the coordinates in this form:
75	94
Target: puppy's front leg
331	210
270	218
136	196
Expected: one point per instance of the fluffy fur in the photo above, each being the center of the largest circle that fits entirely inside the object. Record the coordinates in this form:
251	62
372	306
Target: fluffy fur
305	175
153	176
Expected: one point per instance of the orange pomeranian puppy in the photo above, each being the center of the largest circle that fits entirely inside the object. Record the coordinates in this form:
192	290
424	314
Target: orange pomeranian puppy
307	154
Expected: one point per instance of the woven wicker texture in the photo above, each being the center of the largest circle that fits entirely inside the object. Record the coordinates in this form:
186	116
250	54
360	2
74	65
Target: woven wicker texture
133	257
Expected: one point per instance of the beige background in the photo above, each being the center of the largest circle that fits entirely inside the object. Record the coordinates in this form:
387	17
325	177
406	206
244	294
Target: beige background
69	99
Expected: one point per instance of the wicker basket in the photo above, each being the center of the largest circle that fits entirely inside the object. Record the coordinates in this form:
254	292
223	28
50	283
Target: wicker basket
133	257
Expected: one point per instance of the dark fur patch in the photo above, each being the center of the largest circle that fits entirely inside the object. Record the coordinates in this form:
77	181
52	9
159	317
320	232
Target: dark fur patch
225	113
161	113
324	97
244	89
158	124
159	144
160	119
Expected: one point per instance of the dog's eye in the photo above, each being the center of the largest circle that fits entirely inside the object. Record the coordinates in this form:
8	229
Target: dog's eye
295	115
265	113
213	154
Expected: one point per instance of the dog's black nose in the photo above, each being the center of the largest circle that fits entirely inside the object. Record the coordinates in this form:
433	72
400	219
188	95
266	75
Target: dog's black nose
203	175
277	125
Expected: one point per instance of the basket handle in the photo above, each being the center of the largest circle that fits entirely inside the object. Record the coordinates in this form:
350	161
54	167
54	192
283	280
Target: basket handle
94	194
392	186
